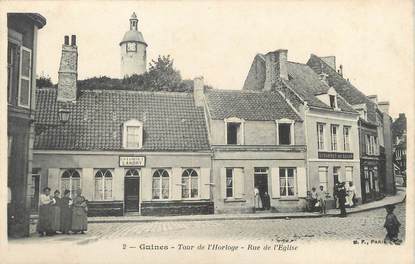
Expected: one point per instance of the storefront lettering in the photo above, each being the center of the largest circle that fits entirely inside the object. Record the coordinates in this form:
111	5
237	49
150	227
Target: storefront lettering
335	155
132	161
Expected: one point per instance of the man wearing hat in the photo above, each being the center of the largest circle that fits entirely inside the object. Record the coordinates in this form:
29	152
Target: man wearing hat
341	195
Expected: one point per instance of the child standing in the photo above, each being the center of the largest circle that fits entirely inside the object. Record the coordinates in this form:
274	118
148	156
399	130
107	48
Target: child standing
392	226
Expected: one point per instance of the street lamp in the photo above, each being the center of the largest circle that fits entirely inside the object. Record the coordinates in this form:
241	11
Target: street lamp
64	114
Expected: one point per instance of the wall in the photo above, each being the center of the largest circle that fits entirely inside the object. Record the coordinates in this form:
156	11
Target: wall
256	75
133	62
248	160
256	132
387	135
51	164
340	119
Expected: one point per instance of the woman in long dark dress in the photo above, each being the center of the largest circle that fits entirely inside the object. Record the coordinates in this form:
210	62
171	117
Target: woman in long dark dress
79	214
55	212
66	212
44	224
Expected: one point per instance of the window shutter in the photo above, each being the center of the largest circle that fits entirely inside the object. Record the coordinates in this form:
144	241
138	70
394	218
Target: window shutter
53	179
301	182
223	182
275	177
25	77
238	180
204	183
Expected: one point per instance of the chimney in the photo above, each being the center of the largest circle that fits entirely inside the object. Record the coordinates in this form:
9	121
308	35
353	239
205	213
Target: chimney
384	107
330	60
340	71
68	71
373	98
275	68
198	91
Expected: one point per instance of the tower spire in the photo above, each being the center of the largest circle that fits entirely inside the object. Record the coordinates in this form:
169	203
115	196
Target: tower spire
133	21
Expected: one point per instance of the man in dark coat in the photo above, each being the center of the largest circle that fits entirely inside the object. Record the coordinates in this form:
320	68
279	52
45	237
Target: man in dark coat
341	195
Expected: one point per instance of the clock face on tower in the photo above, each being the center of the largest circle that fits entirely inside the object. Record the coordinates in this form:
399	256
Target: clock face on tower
131	46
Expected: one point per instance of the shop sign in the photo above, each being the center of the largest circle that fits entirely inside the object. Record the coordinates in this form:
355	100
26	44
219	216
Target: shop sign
132	161
335	155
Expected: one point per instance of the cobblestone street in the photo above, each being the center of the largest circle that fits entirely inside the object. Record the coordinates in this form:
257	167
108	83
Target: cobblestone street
365	225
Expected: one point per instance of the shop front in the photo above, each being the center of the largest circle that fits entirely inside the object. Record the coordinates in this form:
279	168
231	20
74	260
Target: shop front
116	183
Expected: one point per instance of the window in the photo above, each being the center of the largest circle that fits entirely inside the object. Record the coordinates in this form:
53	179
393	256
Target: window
132	173
334	136
133	134
323	176
349	174
103	184
376	145
332	101
12	64
287	182
70	180
190	184
285	132
367	143
363	114
336	174
25	77
346	138
229	182
320	135
233	131
161	184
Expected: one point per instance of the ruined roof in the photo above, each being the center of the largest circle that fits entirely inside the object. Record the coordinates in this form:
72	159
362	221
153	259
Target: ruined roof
171	121
248	105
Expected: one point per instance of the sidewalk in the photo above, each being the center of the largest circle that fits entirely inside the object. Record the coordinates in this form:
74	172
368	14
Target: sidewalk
398	198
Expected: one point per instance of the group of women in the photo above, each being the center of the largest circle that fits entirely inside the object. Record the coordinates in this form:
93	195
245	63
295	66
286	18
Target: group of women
62	215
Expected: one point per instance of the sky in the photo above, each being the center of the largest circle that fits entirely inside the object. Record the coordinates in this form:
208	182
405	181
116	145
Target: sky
373	40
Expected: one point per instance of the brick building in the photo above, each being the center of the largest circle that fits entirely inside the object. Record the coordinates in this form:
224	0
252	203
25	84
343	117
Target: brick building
22	30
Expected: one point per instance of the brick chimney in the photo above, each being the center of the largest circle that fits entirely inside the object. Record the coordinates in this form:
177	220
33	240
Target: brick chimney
384	107
198	91
373	98
68	71
275	68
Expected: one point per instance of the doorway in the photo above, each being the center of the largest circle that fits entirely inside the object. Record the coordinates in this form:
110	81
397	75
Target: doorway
132	191
34	193
261	183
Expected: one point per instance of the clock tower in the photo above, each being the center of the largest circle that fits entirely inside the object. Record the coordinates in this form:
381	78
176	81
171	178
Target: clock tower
133	50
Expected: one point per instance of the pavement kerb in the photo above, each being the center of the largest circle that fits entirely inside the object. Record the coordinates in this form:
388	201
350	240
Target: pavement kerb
242	217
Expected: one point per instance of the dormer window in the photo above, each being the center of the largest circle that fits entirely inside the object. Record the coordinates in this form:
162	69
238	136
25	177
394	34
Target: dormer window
234	134
332	101
133	134
285	131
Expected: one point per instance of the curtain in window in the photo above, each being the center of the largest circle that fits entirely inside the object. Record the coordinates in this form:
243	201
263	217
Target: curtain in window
290	181
133	136
24	92
103	184
283	183
71	181
185	186
161	184
189	183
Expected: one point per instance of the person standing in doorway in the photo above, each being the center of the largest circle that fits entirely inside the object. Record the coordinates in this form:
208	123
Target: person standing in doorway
257	199
79	214
341	194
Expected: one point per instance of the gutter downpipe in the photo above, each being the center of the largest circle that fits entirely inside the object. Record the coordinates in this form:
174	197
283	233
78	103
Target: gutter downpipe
306	109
